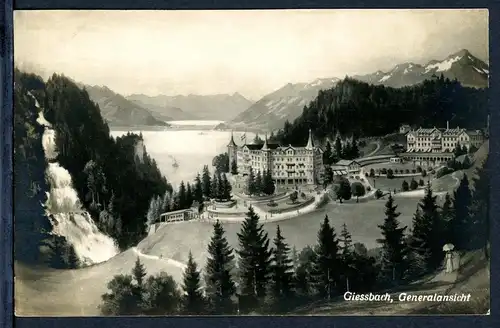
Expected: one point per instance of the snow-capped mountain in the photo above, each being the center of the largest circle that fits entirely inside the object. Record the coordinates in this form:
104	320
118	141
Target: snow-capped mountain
463	66
271	111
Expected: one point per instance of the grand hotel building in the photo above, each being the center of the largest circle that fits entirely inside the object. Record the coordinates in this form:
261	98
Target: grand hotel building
289	165
430	146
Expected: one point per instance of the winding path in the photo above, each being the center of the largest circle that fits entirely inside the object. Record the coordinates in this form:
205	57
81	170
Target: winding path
175	263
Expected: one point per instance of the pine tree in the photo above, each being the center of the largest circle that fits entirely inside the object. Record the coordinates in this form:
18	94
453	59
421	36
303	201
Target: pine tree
182	196
281	281
354	151
220	186
254	260
327	154
448	216
193	301
303	277
394	248
214	188
189	195
206	182
427	231
326	273
405	186
139	272
166	202
198	189
347	257
479	210
220	287
343	190
345	240
269	186
226	187
258	183
462	200
346	150
234	167
251	182
338	147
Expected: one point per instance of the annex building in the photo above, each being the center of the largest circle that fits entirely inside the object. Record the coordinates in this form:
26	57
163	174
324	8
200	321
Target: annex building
289	165
435	146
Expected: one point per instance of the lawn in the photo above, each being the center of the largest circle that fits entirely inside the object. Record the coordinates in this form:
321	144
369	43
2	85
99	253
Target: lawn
384	183
362	220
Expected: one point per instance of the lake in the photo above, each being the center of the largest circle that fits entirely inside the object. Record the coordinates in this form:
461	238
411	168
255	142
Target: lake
190	148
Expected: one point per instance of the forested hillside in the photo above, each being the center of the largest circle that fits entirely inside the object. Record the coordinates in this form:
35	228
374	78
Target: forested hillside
115	179
354	107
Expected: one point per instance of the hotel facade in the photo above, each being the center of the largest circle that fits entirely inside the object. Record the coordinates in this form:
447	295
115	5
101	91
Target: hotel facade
288	165
436	146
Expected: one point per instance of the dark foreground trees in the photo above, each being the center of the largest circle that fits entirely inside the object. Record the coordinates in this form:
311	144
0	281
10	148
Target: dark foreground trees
254	262
132	295
220	286
394	248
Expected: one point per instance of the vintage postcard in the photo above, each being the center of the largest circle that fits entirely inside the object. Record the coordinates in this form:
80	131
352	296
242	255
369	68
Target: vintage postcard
274	162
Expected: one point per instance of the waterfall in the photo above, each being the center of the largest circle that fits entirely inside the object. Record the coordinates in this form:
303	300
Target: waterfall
64	209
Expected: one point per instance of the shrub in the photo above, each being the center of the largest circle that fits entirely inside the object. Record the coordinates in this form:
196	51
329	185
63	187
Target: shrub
421	182
404	186
367	174
443	171
413	171
390	174
357	190
407	171
378	194
372	172
413	184
368	188
419	169
383	171
294	196
424	173
303	195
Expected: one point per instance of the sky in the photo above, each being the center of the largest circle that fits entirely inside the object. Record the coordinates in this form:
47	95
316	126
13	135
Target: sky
250	52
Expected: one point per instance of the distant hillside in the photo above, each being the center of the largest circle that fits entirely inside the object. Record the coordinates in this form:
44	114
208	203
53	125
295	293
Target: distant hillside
286	103
362	109
462	65
117	110
222	107
166	113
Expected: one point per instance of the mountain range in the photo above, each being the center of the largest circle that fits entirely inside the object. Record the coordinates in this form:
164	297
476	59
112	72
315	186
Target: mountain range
283	104
287	103
119	111
223	107
462	65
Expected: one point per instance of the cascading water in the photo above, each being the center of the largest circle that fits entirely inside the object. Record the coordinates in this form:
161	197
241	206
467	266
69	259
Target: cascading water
64	209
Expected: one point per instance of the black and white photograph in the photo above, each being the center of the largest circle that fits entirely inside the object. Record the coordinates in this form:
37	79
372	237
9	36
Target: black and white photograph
322	162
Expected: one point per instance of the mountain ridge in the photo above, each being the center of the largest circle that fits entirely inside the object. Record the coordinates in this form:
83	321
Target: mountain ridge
118	111
287	103
221	107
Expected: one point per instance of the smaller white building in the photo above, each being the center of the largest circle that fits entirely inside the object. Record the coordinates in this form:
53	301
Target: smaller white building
351	166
